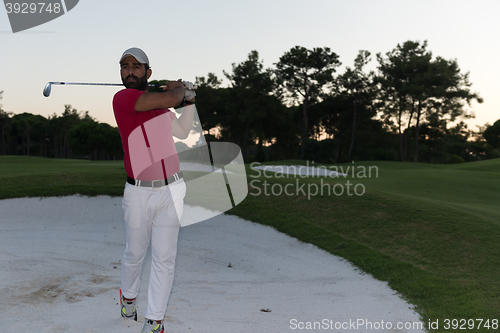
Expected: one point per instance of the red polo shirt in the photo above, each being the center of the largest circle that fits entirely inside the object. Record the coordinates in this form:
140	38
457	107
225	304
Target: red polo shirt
147	139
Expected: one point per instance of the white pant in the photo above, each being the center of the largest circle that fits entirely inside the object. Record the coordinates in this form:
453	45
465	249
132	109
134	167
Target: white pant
151	214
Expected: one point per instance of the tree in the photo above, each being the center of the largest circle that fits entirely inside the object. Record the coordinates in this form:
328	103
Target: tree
59	126
358	89
69	119
304	74
252	101
415	87
87	137
37	134
113	146
21	126
30	131
492	134
444	94
210	101
5	123
399	74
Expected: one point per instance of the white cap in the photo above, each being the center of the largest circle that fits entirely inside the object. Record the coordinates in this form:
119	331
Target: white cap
137	53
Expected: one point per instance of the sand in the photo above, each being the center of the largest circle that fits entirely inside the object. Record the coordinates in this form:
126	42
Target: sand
60	260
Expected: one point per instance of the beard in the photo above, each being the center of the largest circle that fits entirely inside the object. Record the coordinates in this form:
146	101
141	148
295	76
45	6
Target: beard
139	83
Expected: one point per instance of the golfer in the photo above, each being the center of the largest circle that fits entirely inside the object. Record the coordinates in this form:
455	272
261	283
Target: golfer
154	192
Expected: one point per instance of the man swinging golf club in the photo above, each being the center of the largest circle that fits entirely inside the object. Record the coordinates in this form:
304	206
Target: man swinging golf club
155	190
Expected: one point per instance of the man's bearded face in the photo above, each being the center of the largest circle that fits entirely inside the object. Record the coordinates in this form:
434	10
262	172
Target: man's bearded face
133	82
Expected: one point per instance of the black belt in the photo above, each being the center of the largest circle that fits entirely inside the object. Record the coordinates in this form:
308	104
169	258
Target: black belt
155	183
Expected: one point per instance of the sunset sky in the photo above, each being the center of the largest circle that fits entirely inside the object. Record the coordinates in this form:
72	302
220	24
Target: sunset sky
189	39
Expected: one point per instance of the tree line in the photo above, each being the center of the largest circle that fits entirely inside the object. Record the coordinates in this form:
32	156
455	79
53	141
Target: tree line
412	108
73	134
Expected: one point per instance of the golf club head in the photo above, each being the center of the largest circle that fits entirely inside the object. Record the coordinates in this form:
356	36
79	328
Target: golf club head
46	90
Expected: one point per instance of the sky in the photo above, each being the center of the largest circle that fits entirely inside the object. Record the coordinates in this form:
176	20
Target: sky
190	39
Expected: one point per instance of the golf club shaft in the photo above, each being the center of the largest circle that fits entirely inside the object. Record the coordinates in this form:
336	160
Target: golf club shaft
48	86
89	84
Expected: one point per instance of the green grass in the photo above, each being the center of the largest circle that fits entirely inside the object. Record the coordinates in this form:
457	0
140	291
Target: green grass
431	231
34	176
468	187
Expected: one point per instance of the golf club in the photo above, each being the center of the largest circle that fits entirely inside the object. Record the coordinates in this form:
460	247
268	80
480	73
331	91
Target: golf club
48	86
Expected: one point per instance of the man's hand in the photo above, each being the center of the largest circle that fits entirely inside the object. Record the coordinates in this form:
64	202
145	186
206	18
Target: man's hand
189	93
171	97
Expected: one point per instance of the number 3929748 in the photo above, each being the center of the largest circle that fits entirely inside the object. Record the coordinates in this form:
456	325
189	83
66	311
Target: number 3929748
463	324
33	8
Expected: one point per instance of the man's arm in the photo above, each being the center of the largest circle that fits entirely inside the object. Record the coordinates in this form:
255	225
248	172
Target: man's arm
170	98
183	125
